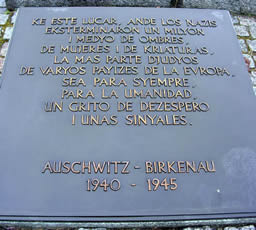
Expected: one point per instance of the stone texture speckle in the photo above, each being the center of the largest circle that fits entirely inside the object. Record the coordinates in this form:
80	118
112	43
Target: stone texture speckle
12	4
252	45
233	6
234	19
2	10
254	89
98	229
248	6
231	228
4	49
243	45
2	3
8	32
241	31
3	18
1	64
253	30
247	24
14	17
253	73
253	81
250	227
252	65
246	21
198	228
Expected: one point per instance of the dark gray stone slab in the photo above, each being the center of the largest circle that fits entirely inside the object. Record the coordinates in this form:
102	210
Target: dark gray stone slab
223	136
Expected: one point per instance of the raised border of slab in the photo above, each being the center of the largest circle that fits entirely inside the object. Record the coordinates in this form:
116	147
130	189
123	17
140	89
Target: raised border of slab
128	224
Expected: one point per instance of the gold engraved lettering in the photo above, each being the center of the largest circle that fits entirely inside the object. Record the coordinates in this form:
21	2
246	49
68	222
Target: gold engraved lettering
66	165
98	167
47	166
86	167
73	167
126	164
180	166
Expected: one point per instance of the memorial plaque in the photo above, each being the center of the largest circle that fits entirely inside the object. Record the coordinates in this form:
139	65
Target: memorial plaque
126	114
